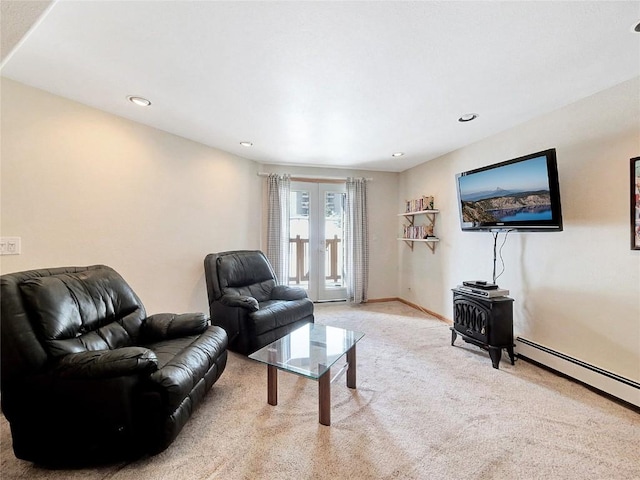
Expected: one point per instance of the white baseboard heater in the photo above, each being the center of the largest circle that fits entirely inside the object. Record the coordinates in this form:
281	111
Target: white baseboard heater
607	382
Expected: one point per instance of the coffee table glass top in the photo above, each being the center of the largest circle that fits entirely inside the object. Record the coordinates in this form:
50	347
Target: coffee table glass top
309	351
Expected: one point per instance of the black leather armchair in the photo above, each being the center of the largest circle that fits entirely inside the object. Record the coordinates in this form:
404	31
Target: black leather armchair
245	300
88	377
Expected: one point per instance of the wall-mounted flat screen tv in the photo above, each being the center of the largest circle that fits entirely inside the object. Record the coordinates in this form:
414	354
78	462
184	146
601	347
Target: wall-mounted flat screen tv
519	194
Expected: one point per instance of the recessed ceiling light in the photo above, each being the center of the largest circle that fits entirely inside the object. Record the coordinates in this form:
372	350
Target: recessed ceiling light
468	117
246	144
637	29
142	102
397	154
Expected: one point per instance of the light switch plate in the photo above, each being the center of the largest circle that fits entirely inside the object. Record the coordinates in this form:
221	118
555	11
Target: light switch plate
10	246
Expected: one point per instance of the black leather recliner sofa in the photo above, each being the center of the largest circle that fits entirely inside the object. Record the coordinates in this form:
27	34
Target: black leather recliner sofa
88	377
246	301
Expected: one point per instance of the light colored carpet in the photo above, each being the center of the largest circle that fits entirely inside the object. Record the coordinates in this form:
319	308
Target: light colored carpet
422	410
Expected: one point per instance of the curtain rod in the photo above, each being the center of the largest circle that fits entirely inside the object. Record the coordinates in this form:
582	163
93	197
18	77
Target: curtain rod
313	178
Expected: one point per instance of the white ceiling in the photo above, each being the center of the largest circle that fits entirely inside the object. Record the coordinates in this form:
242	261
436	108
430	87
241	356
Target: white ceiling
340	84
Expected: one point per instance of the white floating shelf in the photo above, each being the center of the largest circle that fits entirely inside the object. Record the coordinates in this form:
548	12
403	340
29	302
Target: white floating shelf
430	239
407	214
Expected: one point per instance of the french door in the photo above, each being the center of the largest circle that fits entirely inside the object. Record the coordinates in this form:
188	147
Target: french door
316	224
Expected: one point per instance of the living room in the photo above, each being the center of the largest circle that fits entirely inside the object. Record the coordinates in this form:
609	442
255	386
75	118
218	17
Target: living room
81	186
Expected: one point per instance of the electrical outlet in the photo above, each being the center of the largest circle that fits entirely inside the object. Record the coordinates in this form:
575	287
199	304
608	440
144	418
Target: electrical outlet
10	246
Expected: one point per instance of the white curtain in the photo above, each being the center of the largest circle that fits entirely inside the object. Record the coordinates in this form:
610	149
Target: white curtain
278	191
356	240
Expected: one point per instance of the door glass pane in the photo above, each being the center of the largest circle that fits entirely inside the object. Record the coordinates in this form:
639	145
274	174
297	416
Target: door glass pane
299	238
333	222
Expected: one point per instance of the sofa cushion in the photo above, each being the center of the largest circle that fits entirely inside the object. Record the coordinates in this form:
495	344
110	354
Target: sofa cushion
183	362
278	313
83	311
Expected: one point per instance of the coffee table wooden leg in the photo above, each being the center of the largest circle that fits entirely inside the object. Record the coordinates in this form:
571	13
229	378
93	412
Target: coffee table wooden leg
272	385
351	370
324	395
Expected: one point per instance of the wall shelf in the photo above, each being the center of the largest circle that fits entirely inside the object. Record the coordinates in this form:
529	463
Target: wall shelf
421	212
429	241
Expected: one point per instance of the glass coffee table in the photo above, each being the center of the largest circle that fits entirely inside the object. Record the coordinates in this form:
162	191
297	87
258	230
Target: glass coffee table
311	351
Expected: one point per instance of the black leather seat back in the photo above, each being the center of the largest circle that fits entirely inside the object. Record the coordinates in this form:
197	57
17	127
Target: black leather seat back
22	346
83	311
245	272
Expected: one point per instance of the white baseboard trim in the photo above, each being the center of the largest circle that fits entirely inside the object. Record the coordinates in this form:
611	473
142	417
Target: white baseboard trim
607	382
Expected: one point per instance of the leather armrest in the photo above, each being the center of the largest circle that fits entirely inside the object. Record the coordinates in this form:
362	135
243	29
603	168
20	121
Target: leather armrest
108	363
242	301
284	292
164	326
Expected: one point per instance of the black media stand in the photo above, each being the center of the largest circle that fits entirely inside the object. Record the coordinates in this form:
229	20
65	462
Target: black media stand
485	322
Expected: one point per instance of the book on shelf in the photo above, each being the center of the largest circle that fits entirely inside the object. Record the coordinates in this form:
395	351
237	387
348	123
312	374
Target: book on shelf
419	204
415	232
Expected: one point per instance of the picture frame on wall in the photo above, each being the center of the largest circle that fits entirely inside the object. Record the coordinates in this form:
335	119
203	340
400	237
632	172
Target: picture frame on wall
635	203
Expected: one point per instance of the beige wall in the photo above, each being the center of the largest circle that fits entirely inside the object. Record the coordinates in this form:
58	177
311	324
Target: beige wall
576	291
382	192
81	187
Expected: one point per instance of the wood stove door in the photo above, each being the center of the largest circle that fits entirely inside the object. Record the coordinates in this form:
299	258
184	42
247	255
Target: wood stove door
471	318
